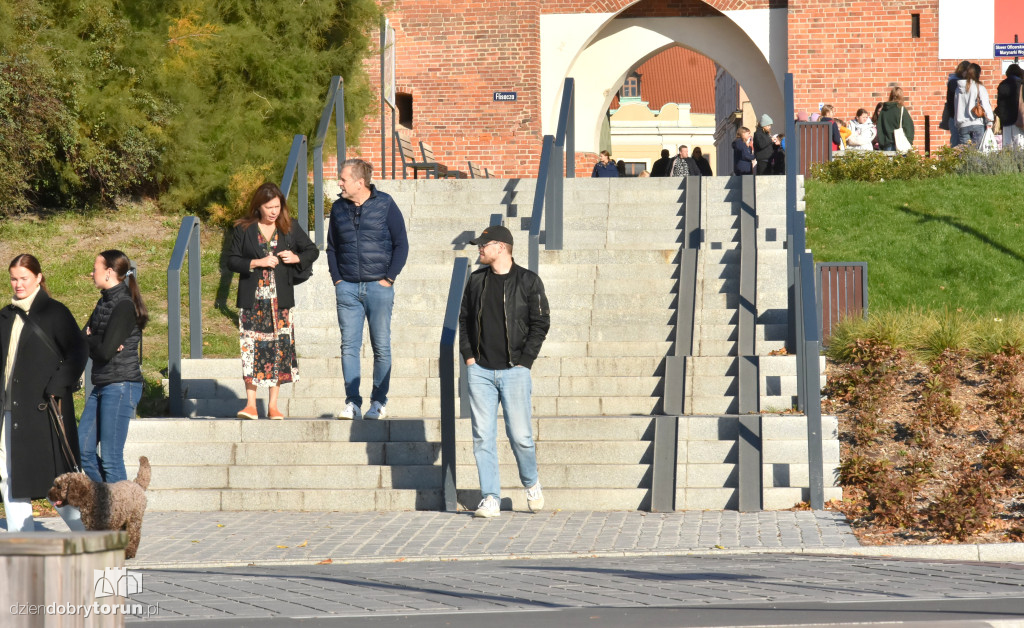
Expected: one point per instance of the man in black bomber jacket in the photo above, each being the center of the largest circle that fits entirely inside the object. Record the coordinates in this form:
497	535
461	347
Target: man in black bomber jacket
502	325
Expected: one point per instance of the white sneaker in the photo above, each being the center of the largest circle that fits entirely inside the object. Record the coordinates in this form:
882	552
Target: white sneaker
489	507
535	498
351	411
377	411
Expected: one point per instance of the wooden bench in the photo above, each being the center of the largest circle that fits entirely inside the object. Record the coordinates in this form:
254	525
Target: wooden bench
440	170
842	292
408	154
476	173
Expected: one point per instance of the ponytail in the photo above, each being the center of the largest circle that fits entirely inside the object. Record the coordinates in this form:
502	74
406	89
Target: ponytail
120	264
141	313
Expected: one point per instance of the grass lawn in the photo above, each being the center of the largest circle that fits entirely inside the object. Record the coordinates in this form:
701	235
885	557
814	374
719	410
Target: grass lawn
67	245
950	243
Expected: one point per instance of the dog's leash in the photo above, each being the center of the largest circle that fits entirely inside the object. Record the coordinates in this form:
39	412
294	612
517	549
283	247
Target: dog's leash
53	409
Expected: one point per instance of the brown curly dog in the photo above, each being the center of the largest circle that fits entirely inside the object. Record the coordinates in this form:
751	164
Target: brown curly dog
117	506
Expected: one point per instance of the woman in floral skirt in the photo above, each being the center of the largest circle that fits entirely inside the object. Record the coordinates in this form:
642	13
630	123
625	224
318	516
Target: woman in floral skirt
268	251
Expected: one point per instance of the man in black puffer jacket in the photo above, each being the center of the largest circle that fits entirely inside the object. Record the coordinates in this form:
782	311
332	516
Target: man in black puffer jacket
367	247
502	325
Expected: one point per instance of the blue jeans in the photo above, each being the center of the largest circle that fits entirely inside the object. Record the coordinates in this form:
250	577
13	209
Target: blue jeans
512	387
371	302
972	134
105	419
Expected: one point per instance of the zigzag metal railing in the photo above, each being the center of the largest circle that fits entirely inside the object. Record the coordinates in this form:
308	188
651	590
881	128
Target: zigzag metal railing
804	335
557	162
187	242
334	108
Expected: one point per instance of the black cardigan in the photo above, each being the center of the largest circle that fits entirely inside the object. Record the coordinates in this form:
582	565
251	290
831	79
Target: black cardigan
245	247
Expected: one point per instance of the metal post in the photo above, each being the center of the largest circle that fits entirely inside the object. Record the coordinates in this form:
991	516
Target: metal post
449	333
928	135
555	187
570	132
792	164
195	297
339	127
812	387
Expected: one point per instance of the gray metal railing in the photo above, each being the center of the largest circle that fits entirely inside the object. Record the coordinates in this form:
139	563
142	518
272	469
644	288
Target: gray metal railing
446	371
804	336
187	242
557	162
334	108
296	169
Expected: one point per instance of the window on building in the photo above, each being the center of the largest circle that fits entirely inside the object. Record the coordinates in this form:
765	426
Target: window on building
630	88
634	168
915	25
403	103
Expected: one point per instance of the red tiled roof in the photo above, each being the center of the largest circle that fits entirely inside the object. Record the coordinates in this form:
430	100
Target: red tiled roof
677	75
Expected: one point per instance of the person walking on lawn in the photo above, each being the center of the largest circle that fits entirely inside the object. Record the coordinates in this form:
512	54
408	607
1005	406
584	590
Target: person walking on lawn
503	322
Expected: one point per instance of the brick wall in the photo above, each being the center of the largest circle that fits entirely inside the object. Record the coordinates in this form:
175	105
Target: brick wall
850	54
453	55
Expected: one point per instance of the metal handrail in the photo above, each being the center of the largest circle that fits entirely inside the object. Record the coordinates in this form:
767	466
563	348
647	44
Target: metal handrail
538	202
557	162
187	242
334	108
449	332
296	168
804	335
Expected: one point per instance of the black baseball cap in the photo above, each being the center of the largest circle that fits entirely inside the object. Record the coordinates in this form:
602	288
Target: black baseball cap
494	233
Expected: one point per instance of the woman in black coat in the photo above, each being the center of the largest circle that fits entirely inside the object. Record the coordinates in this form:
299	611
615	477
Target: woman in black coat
267	252
42	355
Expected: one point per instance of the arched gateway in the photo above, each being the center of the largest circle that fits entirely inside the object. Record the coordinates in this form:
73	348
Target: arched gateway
600	45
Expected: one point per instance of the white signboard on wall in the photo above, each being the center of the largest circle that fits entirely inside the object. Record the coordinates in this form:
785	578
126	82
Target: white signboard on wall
966	29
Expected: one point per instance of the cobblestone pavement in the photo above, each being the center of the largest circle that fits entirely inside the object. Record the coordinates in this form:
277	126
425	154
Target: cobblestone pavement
423	588
279	538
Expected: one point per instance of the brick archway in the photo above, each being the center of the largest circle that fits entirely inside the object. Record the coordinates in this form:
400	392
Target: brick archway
680	7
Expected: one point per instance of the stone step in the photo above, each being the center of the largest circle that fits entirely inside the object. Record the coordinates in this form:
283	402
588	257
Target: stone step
585	428
415	407
372	477
711	405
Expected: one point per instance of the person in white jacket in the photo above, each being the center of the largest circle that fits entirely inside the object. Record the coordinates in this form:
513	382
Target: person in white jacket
863	131
970	92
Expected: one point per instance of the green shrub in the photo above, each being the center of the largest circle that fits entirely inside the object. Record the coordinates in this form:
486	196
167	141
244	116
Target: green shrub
877	166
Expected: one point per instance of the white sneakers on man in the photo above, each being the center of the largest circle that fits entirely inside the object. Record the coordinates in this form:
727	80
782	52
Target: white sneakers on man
535	498
351	411
377	411
489	507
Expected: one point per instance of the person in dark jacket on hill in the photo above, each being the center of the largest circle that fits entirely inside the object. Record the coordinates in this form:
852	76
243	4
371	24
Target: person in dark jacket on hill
764	145
503	322
114	334
892	114
367	247
660	168
742	157
1007	102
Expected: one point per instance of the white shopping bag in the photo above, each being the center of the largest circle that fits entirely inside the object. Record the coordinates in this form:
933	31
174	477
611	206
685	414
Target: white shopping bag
988	142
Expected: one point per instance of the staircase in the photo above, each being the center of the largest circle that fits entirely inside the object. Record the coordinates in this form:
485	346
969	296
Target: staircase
599	378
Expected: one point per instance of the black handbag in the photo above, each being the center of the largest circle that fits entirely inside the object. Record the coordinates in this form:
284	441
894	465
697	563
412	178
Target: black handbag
299	274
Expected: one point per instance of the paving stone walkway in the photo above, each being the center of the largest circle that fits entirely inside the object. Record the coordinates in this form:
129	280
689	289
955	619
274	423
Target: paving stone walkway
377	590
281	538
